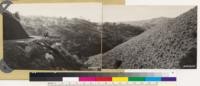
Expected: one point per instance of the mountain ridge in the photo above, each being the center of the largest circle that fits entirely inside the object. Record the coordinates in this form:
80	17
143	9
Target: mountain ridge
148	23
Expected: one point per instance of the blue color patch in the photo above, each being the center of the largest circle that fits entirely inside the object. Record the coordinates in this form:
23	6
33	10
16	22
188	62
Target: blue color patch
152	78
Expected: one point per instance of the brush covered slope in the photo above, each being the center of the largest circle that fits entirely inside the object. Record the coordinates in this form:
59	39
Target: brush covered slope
80	37
114	34
67	45
170	45
39	54
94	61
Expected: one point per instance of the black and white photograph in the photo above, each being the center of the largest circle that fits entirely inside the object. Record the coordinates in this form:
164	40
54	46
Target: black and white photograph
149	37
52	36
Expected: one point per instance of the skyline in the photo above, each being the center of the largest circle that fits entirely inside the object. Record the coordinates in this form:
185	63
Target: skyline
136	13
87	11
93	11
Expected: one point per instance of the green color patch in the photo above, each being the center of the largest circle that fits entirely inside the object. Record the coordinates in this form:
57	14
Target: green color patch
136	79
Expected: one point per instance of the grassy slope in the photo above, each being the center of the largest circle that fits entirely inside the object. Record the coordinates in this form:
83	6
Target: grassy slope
161	47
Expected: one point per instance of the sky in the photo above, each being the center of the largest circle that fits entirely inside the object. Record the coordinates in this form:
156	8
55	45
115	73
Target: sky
115	13
88	11
93	11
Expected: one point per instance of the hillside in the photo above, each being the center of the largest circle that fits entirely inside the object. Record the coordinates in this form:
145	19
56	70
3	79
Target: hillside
114	34
80	37
39	54
67	45
94	61
167	46
150	23
12	29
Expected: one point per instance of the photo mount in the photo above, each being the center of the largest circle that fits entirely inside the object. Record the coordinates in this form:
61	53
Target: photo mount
3	66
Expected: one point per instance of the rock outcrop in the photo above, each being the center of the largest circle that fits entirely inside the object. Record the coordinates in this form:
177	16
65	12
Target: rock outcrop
12	29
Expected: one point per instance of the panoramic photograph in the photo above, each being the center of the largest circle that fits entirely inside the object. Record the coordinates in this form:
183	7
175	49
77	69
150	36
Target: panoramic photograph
52	36
149	37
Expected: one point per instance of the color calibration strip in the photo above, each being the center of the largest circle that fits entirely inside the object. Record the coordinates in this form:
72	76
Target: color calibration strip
103	77
118	79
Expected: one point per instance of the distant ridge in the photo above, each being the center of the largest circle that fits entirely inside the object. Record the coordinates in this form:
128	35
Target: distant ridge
150	23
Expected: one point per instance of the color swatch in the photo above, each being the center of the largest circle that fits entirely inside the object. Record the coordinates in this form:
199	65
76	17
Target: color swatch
126	79
103	77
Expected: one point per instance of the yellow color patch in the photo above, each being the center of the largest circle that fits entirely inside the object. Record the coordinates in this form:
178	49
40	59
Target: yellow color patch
120	79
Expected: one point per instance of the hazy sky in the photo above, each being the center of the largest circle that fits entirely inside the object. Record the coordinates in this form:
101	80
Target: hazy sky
134	13
92	11
89	11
